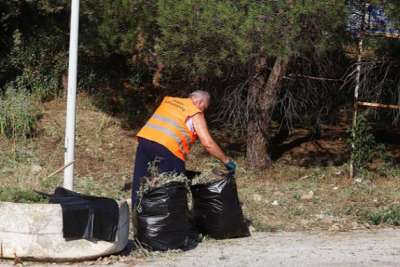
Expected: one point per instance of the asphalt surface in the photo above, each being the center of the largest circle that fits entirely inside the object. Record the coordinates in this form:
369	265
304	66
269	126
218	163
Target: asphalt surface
357	248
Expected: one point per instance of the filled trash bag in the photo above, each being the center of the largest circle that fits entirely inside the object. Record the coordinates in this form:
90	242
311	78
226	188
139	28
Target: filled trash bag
163	219
87	217
217	211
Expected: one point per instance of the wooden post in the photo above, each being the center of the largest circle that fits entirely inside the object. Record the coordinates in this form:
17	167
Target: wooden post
355	111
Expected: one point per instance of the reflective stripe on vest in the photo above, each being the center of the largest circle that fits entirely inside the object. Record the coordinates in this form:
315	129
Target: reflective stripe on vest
167	132
176	125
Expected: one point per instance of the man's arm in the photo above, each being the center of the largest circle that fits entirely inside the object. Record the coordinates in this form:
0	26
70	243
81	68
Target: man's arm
200	125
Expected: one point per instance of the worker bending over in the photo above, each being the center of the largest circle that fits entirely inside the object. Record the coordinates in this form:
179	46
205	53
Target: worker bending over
167	136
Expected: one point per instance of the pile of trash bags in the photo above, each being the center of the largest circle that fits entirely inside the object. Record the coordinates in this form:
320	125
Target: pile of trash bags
165	221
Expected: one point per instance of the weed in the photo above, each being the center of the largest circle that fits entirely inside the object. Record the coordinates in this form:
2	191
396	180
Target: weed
389	168
389	215
18	195
19	114
208	176
297	195
156	179
40	62
363	143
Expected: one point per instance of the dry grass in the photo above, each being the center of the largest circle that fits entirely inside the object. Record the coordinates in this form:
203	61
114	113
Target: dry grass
104	152
275	199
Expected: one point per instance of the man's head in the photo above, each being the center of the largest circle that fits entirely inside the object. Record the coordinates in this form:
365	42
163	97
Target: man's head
201	99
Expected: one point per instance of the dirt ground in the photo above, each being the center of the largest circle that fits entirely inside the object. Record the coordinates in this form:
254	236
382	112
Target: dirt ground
307	188
309	249
302	204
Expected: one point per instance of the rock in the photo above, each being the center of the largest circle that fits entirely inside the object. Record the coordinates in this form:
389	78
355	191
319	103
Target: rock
327	220
275	203
335	227
304	222
335	188
354	225
257	197
367	225
252	229
272	221
7	169
358	180
35	168
278	193
308	196
304	177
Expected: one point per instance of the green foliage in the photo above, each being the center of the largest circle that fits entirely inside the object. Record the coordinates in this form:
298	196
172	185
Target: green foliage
389	215
363	143
291	27
19	195
197	37
34	43
19	113
38	52
40	62
207	37
109	26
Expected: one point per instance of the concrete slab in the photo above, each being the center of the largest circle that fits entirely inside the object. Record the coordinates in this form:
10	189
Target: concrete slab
34	231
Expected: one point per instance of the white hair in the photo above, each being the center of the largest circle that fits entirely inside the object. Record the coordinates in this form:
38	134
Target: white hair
200	94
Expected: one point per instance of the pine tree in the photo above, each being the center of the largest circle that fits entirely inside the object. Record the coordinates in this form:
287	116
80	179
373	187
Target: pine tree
203	37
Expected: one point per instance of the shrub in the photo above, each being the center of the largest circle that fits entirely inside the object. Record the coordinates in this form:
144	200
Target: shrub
389	215
364	146
19	113
18	195
39	63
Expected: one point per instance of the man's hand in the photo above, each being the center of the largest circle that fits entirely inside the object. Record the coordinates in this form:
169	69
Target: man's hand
230	166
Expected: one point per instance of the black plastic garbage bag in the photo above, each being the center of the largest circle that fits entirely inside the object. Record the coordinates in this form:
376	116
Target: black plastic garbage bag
163	219
85	216
217	211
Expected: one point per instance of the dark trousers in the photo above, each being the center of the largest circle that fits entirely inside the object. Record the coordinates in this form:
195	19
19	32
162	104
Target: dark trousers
148	152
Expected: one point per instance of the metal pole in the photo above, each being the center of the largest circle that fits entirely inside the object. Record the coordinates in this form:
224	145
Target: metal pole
71	98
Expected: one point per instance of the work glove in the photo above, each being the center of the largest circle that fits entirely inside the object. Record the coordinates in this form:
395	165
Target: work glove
230	166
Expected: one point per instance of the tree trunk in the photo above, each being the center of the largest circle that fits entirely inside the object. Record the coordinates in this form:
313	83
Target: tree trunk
64	80
262	98
256	147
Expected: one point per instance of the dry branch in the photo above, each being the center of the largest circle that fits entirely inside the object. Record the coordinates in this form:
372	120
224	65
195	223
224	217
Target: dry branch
60	169
378	105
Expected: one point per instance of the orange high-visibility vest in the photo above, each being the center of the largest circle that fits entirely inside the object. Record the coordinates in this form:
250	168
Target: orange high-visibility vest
168	127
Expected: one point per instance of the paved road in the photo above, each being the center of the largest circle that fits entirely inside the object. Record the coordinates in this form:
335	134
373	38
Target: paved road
360	248
344	249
